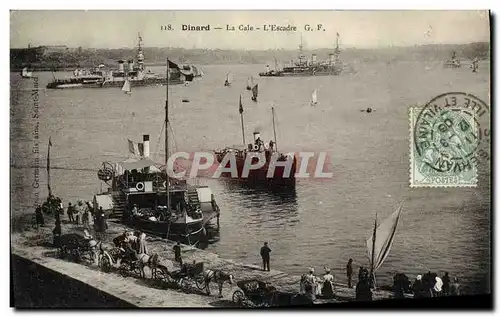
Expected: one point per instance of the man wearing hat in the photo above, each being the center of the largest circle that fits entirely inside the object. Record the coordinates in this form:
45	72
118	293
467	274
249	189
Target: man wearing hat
264	253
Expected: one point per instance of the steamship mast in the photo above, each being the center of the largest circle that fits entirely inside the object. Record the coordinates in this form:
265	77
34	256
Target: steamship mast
337	50
140	54
302	57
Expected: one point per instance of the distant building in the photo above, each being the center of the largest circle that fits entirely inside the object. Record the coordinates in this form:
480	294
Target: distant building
54	49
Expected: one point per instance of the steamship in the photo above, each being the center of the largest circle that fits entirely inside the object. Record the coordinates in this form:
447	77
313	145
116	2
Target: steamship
282	178
453	63
133	71
304	67
137	195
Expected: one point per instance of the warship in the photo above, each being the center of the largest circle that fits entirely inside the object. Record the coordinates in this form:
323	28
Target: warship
304	67
133	71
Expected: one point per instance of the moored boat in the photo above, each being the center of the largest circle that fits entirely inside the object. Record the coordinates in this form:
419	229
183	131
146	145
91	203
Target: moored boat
454	62
282	177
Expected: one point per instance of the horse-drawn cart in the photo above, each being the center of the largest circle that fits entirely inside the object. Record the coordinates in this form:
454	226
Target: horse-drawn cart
116	258
78	247
255	293
186	277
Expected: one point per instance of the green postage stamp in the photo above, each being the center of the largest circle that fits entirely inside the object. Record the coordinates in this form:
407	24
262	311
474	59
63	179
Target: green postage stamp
444	138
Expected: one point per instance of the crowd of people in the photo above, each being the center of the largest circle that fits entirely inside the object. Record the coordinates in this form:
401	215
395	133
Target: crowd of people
132	244
424	286
428	285
86	215
431	285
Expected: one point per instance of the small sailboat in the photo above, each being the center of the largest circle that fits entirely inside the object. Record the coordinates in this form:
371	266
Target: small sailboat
255	92
229	79
126	87
380	243
25	73
474	64
314	98
250	83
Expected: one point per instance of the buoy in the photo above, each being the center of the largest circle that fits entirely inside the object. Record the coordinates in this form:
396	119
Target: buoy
368	110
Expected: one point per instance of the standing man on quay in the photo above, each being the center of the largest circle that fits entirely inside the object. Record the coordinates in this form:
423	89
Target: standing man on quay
70	213
349	273
264	253
177	253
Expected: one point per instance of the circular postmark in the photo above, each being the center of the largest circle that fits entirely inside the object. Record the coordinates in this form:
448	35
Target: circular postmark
447	132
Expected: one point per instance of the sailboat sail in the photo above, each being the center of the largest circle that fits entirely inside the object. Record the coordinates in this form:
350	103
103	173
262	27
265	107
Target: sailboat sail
314	99
126	87
384	237
228	80
255	91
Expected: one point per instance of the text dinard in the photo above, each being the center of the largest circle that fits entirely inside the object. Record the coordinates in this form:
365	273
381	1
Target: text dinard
248	27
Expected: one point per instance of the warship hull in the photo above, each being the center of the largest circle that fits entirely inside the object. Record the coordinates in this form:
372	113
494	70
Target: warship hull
76	83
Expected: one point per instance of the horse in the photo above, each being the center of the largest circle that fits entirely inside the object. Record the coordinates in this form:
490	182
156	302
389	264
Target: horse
218	277
150	261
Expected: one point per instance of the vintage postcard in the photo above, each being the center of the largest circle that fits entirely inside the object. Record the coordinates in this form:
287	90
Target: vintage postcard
170	158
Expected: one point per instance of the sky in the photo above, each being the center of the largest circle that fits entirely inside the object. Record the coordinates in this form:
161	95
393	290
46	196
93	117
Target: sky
361	29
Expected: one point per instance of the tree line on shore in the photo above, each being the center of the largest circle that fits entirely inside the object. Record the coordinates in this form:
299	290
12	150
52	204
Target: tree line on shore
40	58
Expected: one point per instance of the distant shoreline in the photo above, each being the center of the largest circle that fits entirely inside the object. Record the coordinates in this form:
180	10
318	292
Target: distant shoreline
51	59
158	64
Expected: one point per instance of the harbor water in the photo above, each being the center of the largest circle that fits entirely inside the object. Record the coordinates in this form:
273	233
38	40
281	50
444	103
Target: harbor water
325	222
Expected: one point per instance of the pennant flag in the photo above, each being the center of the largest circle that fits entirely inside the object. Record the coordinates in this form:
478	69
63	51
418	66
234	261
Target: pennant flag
172	64
241	106
50	141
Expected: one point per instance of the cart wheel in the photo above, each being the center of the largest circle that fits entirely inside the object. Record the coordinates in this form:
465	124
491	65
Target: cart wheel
183	283
200	284
238	297
123	271
61	252
137	271
161	274
75	254
124	268
104	263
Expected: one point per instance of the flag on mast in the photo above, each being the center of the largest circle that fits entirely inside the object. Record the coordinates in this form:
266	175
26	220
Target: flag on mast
241	106
133	147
